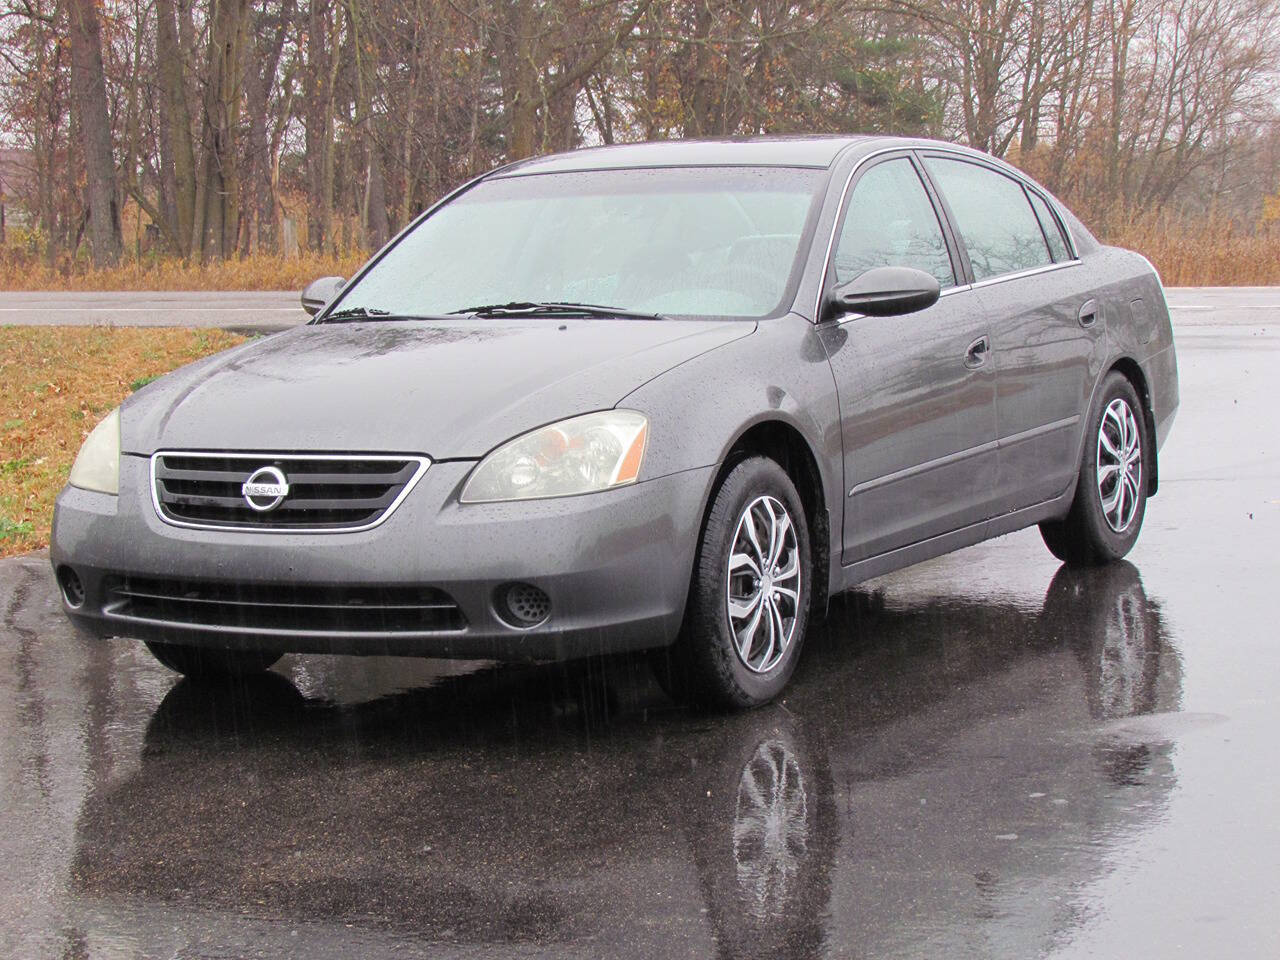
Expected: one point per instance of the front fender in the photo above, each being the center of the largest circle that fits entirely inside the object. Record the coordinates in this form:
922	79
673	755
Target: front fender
698	410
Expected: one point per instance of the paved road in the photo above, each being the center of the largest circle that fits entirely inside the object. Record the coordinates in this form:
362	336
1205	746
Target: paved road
985	756
260	312
264	312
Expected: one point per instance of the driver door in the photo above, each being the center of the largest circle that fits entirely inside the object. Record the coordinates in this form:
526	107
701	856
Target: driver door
918	391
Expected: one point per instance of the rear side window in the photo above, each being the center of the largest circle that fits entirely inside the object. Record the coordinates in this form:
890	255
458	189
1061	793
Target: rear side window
995	220
1052	232
891	223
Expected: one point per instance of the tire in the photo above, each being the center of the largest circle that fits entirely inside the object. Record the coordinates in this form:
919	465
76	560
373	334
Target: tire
705	666
210	663
760	819
1118	634
1106	517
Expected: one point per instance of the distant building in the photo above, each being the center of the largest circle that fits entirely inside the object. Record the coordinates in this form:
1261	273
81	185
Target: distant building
15	187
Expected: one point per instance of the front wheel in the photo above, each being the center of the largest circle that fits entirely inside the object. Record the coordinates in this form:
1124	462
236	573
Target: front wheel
1111	494
209	663
749	599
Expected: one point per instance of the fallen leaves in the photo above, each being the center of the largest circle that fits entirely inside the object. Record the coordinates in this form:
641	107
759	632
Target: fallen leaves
56	383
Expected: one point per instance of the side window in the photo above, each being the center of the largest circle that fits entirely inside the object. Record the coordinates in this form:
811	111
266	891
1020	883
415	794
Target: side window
999	229
891	222
1049	223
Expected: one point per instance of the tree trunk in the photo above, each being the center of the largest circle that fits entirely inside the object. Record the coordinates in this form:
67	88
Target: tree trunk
221	118
257	158
377	222
702	104
259	78
519	78
177	148
522	113
374	226
319	126
89	102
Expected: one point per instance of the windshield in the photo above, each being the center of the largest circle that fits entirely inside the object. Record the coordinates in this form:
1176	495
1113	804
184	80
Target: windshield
718	241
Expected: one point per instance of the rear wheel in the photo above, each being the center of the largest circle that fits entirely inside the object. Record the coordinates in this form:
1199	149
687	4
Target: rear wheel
749	599
209	663
1111	494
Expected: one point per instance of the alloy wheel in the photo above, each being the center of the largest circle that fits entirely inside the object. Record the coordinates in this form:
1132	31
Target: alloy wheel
770	828
763	589
1119	464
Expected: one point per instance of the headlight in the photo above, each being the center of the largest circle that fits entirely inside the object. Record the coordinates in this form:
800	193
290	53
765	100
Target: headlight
97	465
592	452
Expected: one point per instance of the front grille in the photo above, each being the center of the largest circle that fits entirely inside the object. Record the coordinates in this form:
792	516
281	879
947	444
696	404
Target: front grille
282	608
324	492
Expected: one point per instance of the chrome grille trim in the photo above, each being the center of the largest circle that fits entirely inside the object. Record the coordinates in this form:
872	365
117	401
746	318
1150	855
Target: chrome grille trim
275	609
420	463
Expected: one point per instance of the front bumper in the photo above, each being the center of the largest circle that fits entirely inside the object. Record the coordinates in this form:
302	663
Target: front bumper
616	566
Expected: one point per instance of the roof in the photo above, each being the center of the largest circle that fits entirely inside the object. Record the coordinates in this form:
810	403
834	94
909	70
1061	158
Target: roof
810	151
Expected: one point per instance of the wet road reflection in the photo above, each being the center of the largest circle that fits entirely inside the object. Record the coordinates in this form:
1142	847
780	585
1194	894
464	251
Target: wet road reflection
941	779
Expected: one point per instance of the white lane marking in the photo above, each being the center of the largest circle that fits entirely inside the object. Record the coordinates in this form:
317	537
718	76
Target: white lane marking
1225	306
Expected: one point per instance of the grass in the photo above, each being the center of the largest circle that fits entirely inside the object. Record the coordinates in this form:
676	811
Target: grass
1209	252
56	383
22	272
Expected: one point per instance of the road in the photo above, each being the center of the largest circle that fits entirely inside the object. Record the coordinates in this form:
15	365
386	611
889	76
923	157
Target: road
256	312
265	312
984	756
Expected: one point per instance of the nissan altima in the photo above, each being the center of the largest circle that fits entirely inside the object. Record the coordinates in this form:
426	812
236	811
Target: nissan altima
666	396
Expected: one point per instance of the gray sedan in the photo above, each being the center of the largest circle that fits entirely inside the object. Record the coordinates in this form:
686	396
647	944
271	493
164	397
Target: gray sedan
668	396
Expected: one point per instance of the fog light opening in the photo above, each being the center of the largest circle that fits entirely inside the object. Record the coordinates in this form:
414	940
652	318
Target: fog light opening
72	588
522	605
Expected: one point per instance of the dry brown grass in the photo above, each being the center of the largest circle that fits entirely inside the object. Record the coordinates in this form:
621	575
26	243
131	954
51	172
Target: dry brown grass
56	383
1208	252
171	273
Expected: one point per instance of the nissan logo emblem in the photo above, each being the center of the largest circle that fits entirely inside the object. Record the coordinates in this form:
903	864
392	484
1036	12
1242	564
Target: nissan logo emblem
265	489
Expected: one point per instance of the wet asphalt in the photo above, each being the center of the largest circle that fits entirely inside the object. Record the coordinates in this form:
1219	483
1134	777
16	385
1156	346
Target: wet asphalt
983	756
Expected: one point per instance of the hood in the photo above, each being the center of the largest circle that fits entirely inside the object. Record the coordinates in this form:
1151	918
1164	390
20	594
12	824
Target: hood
450	390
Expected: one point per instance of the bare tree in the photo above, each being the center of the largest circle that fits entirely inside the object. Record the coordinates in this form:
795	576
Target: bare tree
89	106
202	121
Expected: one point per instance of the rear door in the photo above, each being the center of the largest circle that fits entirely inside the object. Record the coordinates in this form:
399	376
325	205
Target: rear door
917	393
1044	322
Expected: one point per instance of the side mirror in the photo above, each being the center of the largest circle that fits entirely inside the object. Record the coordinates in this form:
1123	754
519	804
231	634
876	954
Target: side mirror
884	292
319	292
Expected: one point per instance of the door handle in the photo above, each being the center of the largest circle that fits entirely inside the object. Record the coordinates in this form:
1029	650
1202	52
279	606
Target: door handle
1088	314
977	353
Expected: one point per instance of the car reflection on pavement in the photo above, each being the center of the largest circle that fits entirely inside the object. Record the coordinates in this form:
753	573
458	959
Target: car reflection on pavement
942	779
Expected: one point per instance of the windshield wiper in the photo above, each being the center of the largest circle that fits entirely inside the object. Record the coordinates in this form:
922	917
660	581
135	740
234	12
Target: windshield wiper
350	314
555	308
